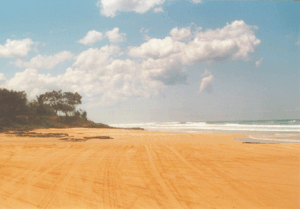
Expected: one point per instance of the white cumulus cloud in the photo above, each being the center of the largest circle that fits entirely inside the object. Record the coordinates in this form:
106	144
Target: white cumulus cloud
207	82
100	75
91	37
109	8
115	36
145	32
233	42
16	48
46	62
158	9
181	34
157	48
120	79
95	58
258	62
2	79
102	78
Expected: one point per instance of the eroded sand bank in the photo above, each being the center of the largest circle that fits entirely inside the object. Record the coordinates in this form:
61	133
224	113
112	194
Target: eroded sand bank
141	169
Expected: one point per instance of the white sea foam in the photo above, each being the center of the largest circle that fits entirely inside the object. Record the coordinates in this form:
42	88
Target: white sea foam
214	126
273	129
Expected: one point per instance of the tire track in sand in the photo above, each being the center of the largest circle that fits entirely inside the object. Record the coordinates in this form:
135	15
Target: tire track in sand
185	180
111	175
89	181
65	177
239	192
12	188
33	180
162	183
29	172
150	188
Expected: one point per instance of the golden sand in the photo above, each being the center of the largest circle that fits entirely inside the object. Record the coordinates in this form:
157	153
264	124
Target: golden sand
142	169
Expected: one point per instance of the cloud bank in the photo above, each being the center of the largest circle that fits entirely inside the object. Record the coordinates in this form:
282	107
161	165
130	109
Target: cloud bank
46	62
147	70
233	42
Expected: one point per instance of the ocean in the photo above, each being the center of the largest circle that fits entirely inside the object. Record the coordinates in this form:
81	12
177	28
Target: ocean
283	131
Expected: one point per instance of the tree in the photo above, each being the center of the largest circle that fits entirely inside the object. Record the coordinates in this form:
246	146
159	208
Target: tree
77	113
54	99
84	115
70	101
40	110
65	102
12	103
81	113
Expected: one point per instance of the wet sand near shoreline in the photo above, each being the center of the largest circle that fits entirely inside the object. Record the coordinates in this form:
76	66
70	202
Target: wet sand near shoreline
143	169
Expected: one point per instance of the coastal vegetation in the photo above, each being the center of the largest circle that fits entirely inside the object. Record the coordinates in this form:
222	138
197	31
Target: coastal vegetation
56	109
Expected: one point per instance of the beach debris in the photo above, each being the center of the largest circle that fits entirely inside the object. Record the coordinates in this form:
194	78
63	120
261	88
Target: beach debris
84	138
98	137
42	135
62	136
73	139
253	143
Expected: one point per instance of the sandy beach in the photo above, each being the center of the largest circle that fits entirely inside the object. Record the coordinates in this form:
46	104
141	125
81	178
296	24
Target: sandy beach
143	169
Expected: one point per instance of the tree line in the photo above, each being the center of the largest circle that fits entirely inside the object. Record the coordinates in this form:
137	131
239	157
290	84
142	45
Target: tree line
15	103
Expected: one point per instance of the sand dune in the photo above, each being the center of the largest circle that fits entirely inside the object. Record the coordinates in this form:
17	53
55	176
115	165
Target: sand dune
141	169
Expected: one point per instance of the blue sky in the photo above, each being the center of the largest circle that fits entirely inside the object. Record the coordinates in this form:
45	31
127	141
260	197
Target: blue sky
157	60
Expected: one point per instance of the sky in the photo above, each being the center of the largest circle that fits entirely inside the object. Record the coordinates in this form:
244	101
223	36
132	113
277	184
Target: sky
157	60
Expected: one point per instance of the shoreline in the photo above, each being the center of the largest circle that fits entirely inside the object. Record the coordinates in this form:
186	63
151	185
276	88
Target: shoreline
248	135
252	140
263	131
